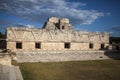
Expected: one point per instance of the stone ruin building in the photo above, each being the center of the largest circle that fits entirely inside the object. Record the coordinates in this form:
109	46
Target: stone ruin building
57	41
57	34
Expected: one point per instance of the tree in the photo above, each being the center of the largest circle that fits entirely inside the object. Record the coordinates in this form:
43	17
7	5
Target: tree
115	39
2	35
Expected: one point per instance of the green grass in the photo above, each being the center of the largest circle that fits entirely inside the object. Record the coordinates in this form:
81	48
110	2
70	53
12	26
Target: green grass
78	70
14	62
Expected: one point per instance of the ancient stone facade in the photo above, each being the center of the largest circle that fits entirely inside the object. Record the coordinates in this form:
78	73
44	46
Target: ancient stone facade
56	35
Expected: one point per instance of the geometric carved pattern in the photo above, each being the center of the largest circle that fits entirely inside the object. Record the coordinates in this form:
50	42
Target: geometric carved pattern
56	35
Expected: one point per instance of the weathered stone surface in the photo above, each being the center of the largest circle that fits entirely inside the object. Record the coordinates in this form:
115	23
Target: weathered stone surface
55	35
53	20
4	72
12	75
5	60
18	73
8	71
56	56
57	23
79	40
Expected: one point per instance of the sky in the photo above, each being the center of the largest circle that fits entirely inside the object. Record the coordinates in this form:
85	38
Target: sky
85	15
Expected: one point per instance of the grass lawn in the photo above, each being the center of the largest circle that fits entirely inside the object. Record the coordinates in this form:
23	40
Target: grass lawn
76	70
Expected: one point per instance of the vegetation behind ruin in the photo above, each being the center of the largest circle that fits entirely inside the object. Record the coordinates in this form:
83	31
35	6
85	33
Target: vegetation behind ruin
115	39
2	35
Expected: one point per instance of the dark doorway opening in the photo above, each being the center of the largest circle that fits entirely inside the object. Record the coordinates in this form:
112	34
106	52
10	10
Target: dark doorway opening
102	46
91	45
18	45
38	45
67	45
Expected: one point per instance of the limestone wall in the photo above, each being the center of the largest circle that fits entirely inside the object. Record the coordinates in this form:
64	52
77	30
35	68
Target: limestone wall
57	56
54	23
64	20
5	60
28	46
53	19
56	46
52	46
57	20
11	46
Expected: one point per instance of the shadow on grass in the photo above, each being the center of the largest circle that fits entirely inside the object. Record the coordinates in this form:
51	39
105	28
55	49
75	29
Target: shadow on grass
114	54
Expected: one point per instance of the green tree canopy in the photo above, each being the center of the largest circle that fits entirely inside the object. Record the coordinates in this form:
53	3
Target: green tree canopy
2	35
115	39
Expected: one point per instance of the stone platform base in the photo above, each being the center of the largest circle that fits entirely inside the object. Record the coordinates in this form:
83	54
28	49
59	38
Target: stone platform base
57	56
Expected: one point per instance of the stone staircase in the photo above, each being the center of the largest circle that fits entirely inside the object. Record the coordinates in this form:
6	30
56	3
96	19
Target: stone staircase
8	71
4	72
15	73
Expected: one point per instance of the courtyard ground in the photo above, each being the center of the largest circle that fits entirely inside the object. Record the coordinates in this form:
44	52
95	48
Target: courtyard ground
76	70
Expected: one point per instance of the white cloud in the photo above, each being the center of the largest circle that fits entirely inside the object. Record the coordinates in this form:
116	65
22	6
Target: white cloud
24	25
40	10
30	26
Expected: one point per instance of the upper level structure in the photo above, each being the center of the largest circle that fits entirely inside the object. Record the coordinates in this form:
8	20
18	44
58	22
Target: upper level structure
56	23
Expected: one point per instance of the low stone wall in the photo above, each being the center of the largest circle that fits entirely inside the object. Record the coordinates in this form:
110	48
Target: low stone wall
56	56
5	59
